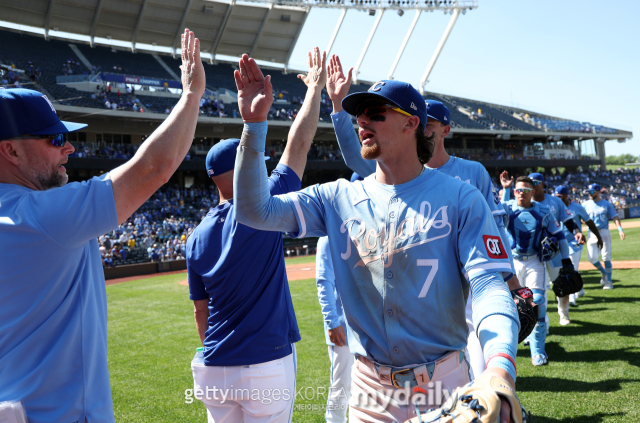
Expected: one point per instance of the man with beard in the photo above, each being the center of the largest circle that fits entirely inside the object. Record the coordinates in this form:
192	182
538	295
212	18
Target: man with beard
53	308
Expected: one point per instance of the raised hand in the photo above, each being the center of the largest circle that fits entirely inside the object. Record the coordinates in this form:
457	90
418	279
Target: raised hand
317	75
337	83
505	180
255	93
193	78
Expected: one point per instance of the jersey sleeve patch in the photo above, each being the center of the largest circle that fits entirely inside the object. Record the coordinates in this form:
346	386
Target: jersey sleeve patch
494	247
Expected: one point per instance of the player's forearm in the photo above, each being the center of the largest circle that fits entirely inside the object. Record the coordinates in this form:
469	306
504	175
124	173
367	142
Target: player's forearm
616	220
506	194
201	317
570	224
496	321
327	301
564	248
350	145
255	207
302	131
594	229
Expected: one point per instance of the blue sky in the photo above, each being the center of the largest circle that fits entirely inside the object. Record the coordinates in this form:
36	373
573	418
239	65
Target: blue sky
569	58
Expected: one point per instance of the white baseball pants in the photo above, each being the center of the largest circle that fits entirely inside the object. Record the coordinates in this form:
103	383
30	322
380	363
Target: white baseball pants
340	388
592	246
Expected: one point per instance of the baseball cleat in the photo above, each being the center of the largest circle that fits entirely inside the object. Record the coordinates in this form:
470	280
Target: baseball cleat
525	342
602	281
573	303
540	360
581	293
564	321
607	285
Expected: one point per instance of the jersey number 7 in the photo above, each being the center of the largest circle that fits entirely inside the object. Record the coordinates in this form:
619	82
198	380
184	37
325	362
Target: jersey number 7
432	274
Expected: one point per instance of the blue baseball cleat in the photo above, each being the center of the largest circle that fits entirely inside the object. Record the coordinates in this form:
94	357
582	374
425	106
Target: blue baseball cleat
540	360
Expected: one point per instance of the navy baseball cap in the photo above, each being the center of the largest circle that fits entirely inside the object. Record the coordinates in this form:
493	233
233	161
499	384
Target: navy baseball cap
594	187
537	177
400	94
561	189
438	111
29	112
221	158
356	177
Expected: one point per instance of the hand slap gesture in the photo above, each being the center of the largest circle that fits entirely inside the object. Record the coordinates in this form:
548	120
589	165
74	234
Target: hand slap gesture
255	94
193	78
337	83
317	75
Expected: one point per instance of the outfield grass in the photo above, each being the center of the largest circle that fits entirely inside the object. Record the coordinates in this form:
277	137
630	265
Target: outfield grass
300	260
593	375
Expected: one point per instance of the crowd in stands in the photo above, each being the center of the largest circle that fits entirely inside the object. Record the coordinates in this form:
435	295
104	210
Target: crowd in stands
115	151
158	231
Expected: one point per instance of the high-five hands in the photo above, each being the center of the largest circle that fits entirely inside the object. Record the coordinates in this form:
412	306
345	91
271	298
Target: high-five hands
317	76
255	94
337	83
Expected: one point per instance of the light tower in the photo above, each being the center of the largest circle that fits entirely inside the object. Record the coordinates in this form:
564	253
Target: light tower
453	7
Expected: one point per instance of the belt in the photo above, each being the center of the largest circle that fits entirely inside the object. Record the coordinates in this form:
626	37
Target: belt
416	375
525	258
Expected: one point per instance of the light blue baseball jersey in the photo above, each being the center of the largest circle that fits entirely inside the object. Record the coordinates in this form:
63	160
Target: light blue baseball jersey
579	215
526	226
556	207
404	256
53	301
467	171
600	212
328	296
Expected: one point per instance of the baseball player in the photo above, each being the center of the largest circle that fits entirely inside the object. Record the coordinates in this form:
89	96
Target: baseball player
438	119
579	215
238	283
335	334
527	222
53	301
601	211
407	244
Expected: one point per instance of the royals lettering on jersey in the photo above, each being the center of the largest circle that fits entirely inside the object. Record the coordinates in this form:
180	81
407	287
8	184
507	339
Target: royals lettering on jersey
398	249
600	212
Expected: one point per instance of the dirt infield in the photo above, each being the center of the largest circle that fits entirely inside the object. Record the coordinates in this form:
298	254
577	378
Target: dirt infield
612	226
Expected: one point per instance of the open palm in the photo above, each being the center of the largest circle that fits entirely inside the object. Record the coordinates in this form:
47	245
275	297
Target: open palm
338	83
255	93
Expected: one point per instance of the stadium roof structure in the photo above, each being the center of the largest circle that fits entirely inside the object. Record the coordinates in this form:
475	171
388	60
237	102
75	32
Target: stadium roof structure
267	31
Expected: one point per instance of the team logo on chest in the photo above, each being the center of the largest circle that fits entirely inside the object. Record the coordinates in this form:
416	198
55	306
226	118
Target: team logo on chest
385	241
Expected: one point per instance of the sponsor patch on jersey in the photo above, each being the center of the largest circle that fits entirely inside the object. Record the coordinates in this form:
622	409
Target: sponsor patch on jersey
568	212
556	222
494	247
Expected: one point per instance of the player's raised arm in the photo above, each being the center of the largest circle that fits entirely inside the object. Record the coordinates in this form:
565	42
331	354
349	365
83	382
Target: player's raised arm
161	154
306	123
255	206
338	87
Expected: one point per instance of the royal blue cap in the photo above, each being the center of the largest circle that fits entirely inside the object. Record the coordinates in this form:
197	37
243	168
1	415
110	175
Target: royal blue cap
537	177
221	158
561	189
356	177
594	187
438	111
29	112
400	94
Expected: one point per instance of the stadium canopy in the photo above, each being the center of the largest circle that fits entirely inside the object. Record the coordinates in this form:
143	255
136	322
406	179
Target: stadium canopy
268	31
265	29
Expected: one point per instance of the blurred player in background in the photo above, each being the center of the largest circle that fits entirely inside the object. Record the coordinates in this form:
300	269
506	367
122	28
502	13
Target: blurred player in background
53	305
601	211
579	215
238	283
528	221
398	240
474	173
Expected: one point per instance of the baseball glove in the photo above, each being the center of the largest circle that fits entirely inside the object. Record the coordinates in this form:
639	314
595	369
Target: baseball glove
528	315
568	282
477	402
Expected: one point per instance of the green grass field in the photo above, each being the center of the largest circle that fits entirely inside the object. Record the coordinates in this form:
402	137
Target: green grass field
593	375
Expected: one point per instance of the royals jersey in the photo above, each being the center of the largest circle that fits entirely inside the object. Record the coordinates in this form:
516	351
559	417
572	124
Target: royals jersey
556	207
600	212
403	256
579	215
526	226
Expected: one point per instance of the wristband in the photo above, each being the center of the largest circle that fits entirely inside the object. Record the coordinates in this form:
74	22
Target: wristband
620	229
503	355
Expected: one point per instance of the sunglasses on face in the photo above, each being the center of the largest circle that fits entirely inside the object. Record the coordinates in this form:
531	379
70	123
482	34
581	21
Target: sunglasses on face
536	183
591	191
56	140
377	112
523	190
